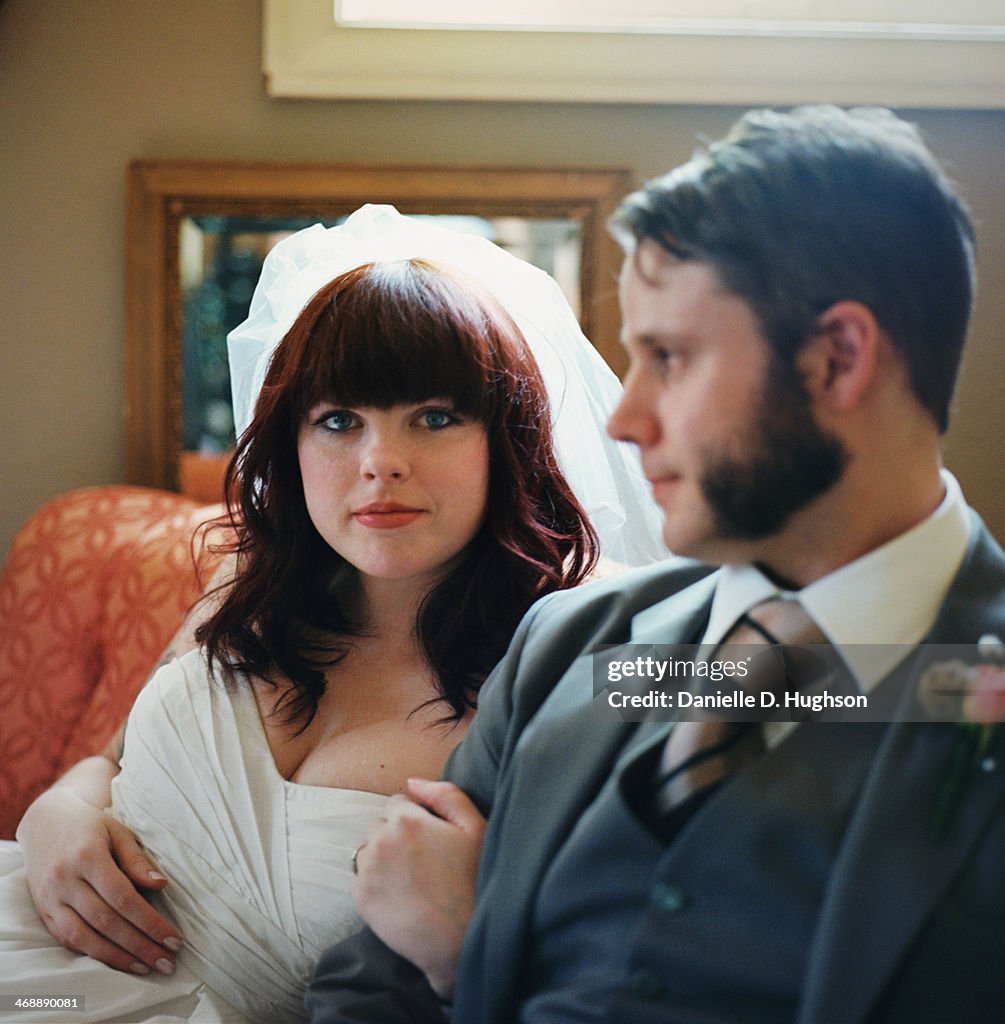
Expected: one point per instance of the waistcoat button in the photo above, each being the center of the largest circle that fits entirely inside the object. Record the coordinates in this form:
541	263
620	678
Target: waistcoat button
669	897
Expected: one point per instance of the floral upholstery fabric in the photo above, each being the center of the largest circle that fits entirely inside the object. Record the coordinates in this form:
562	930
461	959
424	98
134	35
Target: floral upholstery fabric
94	586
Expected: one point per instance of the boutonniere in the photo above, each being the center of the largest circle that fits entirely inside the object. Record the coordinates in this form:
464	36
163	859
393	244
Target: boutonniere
972	696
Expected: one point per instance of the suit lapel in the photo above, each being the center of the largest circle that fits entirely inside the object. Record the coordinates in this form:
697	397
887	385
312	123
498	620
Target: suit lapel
890	858
683	617
563	759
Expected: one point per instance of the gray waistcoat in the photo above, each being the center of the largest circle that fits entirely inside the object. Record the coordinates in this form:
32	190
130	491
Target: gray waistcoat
714	925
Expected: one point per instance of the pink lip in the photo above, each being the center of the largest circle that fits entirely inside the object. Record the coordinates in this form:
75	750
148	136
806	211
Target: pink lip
386	515
662	484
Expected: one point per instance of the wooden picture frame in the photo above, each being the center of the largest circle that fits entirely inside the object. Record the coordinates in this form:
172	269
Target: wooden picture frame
161	193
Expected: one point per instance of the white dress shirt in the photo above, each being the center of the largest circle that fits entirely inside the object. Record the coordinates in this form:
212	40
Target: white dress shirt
875	609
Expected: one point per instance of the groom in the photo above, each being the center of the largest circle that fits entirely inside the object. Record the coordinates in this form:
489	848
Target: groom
795	302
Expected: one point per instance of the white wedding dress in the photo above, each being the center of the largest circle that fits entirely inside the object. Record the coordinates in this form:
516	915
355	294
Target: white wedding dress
259	868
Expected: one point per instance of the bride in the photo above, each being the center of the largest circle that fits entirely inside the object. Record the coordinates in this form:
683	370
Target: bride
423	458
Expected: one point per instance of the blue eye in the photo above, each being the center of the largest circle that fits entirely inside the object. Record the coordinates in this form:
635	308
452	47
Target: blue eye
337	421
437	419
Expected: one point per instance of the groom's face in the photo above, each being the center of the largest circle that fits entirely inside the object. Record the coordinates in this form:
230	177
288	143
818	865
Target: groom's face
727	437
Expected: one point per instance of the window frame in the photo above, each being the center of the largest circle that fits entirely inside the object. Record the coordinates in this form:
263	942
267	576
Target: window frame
307	54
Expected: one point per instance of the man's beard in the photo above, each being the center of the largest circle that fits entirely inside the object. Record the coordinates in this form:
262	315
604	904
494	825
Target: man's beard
791	462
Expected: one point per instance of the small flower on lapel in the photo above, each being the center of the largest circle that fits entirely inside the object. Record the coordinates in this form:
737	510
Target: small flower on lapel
973	696
985	703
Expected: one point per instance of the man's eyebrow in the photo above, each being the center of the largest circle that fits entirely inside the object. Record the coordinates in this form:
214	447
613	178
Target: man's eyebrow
655	339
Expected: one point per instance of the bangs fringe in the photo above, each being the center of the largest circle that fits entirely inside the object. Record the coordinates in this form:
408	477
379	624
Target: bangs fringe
401	333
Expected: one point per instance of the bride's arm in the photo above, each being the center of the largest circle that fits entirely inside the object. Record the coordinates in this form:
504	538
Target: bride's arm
85	872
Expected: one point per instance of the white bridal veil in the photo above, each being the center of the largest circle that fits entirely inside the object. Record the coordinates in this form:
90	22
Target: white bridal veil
604	474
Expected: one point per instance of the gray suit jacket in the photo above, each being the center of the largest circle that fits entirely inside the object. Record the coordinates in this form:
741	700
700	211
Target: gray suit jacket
904	918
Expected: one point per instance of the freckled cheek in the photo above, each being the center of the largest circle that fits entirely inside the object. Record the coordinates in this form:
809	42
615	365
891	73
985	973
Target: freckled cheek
473	482
309	471
324	478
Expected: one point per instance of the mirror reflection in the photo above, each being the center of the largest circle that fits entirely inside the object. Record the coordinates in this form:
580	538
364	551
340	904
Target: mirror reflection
198	233
220	259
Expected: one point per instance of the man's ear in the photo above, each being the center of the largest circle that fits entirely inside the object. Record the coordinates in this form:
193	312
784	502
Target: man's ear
840	360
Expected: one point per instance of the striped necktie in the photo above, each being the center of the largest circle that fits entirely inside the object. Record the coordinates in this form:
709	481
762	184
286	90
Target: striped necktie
698	755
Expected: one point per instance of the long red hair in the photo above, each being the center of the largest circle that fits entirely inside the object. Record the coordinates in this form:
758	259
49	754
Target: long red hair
380	335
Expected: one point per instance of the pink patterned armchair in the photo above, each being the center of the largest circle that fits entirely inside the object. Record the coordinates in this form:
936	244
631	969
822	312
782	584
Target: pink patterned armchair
95	584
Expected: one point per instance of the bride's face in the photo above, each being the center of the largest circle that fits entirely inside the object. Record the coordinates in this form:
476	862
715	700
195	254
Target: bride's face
399	492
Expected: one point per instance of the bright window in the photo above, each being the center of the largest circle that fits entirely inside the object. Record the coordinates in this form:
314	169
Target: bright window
962	20
902	53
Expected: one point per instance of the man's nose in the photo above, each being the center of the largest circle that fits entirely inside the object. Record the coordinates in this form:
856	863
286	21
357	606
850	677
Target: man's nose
633	419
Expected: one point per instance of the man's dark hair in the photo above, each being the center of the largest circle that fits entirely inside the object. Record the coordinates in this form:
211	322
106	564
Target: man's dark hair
798	210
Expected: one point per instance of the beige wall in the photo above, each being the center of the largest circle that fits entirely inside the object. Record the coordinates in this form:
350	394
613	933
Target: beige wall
87	85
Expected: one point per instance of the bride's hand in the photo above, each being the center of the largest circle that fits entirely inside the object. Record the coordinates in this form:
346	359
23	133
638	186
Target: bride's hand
416	874
83	868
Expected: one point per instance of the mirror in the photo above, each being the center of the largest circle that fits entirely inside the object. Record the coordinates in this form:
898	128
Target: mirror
197	235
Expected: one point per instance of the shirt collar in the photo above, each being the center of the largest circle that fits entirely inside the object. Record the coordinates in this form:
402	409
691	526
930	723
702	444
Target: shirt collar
875	608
